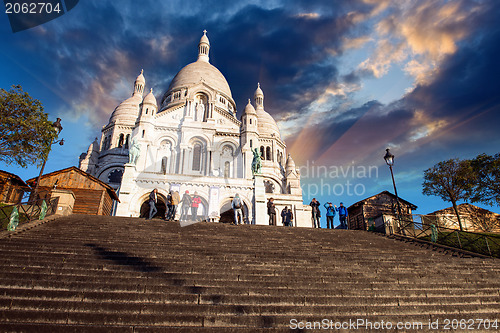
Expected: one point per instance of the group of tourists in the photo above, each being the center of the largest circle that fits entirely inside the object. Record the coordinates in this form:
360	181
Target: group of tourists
286	214
330	214
187	203
192	203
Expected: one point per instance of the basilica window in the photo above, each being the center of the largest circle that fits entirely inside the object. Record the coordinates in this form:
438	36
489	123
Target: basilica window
227	152
250	143
120	140
262	152
269	186
268	154
227	166
197	157
115	176
127	140
164	162
108	142
104	143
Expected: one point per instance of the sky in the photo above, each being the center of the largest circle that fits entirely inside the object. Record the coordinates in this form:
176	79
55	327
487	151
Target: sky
343	79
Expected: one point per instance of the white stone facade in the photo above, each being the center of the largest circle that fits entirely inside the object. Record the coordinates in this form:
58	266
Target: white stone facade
194	141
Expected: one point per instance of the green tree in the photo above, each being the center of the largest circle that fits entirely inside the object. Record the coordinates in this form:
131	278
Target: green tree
25	131
485	179
448	180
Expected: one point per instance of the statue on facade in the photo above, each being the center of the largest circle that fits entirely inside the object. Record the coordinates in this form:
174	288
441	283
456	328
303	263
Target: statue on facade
200	111
257	162
134	152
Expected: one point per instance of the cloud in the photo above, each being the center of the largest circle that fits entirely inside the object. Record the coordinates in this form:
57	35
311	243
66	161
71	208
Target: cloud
383	57
456	113
92	56
422	34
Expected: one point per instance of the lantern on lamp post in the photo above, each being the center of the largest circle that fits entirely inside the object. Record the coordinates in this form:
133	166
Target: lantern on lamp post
389	160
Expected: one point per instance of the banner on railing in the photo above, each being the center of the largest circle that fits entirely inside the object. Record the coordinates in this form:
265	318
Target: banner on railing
14	220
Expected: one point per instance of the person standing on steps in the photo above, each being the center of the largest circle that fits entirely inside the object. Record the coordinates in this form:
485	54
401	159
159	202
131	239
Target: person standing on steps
330	214
237	206
175	202
271	211
289	218
342	215
283	215
153	199
185	204
168	212
316	214
195	203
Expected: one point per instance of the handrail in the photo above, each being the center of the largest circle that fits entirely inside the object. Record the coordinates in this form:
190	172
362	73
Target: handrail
465	240
11	216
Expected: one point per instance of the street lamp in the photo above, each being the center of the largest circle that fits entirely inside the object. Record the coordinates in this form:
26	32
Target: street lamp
56	125
389	160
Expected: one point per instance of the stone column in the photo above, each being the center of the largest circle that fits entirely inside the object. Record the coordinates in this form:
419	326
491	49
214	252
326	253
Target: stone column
126	190
260	205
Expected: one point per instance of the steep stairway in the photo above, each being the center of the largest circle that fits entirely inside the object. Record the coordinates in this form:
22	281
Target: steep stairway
109	274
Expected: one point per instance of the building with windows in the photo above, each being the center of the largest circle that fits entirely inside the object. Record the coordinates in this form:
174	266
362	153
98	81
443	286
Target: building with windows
194	140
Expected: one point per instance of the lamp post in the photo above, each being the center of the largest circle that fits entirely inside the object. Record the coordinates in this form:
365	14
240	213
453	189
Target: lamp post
389	160
56	125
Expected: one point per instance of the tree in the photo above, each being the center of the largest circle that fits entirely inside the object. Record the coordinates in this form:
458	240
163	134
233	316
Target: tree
485	179
448	180
25	131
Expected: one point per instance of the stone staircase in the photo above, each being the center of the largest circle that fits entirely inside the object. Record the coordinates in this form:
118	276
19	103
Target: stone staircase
108	274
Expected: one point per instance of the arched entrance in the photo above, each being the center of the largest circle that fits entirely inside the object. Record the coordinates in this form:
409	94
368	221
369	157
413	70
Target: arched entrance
160	207
227	213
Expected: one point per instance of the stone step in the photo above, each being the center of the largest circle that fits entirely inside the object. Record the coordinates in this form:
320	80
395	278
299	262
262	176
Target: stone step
217	307
218	320
136	270
84	273
276	297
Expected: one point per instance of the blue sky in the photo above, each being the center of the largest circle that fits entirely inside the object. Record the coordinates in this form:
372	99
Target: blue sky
343	79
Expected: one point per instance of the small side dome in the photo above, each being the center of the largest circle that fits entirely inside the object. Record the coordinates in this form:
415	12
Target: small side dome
204	38
290	164
204	47
249	109
127	111
266	125
140	78
259	97
150	98
258	92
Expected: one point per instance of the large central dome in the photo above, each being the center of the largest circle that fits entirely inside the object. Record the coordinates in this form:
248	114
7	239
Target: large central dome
200	71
